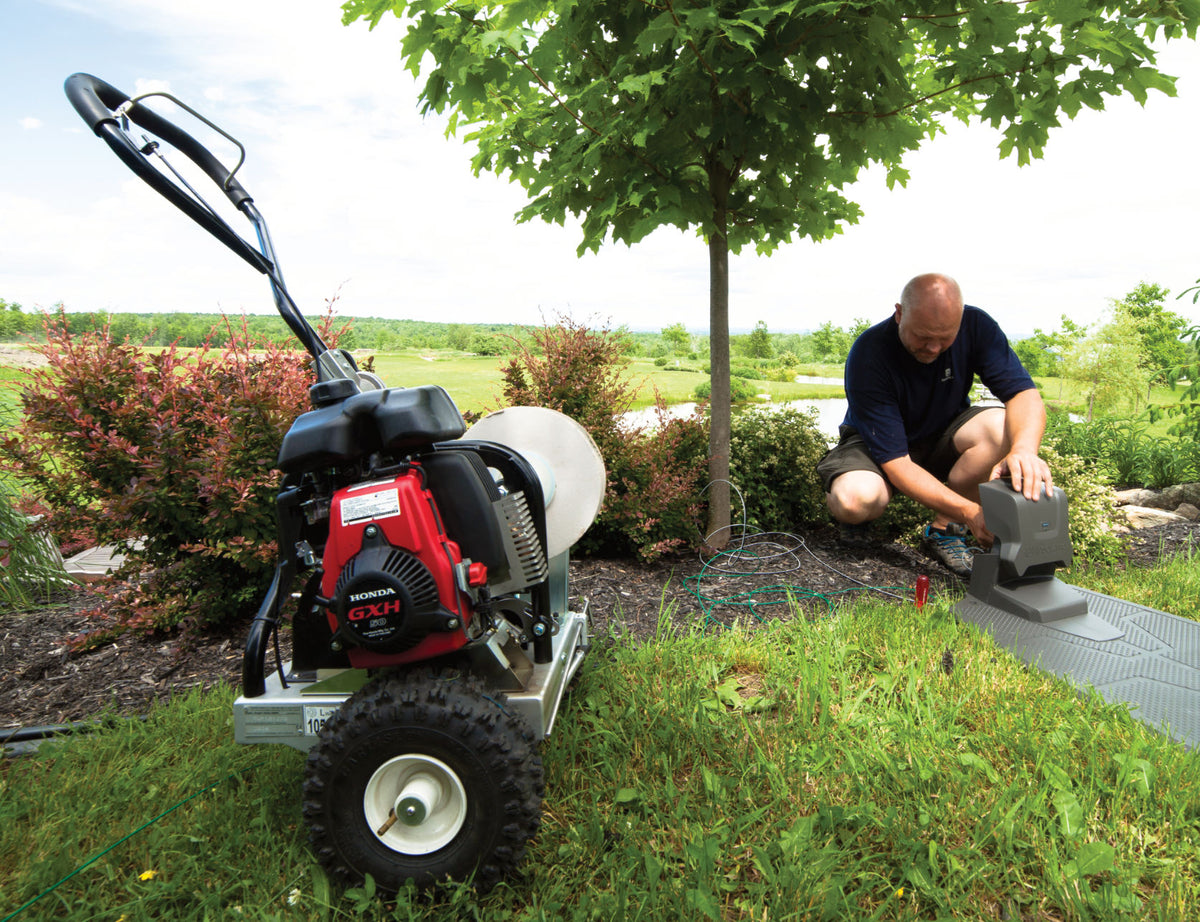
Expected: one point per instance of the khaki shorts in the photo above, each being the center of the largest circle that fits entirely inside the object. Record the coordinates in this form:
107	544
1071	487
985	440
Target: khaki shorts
936	454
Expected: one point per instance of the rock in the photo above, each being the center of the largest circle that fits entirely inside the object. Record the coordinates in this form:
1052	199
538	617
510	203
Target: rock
1174	496
1170	498
1135	497
1188	511
1145	516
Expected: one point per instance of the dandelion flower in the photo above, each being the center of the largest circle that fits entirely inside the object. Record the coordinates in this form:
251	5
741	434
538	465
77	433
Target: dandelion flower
148	875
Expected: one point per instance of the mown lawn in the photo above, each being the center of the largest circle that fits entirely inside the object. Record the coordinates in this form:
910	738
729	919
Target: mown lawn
846	768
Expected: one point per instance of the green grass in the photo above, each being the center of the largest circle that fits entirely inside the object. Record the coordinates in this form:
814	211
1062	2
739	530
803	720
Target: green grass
10	407
475	381
678	386
832	769
10	398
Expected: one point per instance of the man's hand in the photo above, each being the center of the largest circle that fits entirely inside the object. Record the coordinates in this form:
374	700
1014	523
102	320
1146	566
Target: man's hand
1028	473
974	521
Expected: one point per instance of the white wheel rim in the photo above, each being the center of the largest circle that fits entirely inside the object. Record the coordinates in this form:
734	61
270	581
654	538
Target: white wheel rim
427	797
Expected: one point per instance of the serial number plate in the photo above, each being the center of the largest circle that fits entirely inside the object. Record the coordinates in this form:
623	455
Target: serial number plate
315	717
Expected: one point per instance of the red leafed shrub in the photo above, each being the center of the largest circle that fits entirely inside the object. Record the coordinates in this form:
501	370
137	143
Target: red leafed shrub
170	454
655	474
655	485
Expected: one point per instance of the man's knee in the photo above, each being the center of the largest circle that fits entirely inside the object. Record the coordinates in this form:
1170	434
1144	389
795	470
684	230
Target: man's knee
857	496
984	433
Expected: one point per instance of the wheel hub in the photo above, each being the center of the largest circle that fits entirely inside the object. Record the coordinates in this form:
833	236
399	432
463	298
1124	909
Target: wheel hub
415	804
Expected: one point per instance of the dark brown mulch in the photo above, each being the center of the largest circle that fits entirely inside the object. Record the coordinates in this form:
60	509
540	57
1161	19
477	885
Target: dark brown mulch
42	683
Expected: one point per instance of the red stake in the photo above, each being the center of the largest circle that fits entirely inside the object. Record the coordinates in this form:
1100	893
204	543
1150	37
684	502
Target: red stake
921	594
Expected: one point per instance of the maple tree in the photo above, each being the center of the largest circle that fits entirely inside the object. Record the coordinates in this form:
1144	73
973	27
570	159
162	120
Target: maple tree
747	120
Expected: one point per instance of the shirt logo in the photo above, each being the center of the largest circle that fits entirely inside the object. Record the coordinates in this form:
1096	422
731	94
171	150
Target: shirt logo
947	374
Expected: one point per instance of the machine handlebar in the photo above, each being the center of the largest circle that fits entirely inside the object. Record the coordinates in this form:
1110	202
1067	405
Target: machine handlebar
102	105
105	109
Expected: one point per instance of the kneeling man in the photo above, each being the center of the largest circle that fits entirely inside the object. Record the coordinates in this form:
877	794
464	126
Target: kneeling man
910	426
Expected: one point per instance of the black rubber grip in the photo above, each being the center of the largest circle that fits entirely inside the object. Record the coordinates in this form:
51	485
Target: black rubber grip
96	102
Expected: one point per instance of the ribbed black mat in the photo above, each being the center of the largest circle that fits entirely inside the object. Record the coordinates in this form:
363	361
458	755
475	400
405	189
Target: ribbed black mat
1154	668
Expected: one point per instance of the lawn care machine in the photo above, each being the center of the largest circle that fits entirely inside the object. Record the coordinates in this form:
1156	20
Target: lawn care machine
431	637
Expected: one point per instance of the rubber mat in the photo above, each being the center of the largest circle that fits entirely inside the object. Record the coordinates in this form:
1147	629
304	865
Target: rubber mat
1154	668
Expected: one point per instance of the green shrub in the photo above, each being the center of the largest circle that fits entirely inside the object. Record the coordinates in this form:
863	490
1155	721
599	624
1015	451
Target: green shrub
773	458
655	481
740	390
1167	462
655	474
31	568
1124	451
174	451
749	372
903	521
1092	512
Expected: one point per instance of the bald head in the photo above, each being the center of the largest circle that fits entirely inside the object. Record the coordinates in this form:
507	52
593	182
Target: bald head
929	315
932	289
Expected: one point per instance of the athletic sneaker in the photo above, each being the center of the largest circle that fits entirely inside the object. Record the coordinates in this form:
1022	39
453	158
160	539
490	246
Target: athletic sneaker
949	548
856	537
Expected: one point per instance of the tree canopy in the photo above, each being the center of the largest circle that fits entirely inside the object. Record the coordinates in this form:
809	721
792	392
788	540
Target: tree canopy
747	120
1161	330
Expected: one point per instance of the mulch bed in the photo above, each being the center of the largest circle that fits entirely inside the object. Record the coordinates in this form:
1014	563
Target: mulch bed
42	683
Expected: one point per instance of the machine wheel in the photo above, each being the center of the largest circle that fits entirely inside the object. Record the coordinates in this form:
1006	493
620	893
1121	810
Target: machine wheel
423	776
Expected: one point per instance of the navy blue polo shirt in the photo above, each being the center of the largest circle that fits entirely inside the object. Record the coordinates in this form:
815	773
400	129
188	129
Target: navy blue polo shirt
896	401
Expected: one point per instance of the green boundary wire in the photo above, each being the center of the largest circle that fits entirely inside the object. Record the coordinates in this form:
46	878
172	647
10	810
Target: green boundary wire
767	596
16	912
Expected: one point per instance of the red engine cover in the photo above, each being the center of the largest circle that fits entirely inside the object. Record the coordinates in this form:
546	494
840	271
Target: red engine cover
406	514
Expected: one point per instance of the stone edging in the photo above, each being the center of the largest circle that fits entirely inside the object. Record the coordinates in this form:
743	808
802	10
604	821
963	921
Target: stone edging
1143	508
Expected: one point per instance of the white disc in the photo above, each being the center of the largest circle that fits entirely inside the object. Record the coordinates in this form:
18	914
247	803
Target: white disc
549	439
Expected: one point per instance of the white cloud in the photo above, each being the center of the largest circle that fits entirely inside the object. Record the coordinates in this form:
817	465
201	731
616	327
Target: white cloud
29	123
359	189
143	86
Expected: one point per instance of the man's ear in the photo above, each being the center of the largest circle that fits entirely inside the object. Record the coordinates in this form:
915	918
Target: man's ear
899	311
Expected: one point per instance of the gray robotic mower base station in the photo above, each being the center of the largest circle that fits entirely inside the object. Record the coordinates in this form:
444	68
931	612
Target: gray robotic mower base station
1146	659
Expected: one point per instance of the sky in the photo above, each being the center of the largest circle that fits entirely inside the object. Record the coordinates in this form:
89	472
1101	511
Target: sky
369	202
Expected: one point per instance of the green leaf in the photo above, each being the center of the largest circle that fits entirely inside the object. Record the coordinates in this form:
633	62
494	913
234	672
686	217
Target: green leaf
1136	773
1070	813
978	763
1094	858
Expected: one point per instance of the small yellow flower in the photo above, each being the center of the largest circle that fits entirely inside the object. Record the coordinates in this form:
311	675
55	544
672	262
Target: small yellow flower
900	893
148	875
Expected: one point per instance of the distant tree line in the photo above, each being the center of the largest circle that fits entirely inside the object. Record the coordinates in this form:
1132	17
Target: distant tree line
1137	345
827	344
191	330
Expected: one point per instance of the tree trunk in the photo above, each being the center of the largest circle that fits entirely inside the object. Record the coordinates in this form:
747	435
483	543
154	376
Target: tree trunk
717	533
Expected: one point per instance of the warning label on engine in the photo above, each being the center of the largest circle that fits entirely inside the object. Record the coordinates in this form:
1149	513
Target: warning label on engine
381	504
